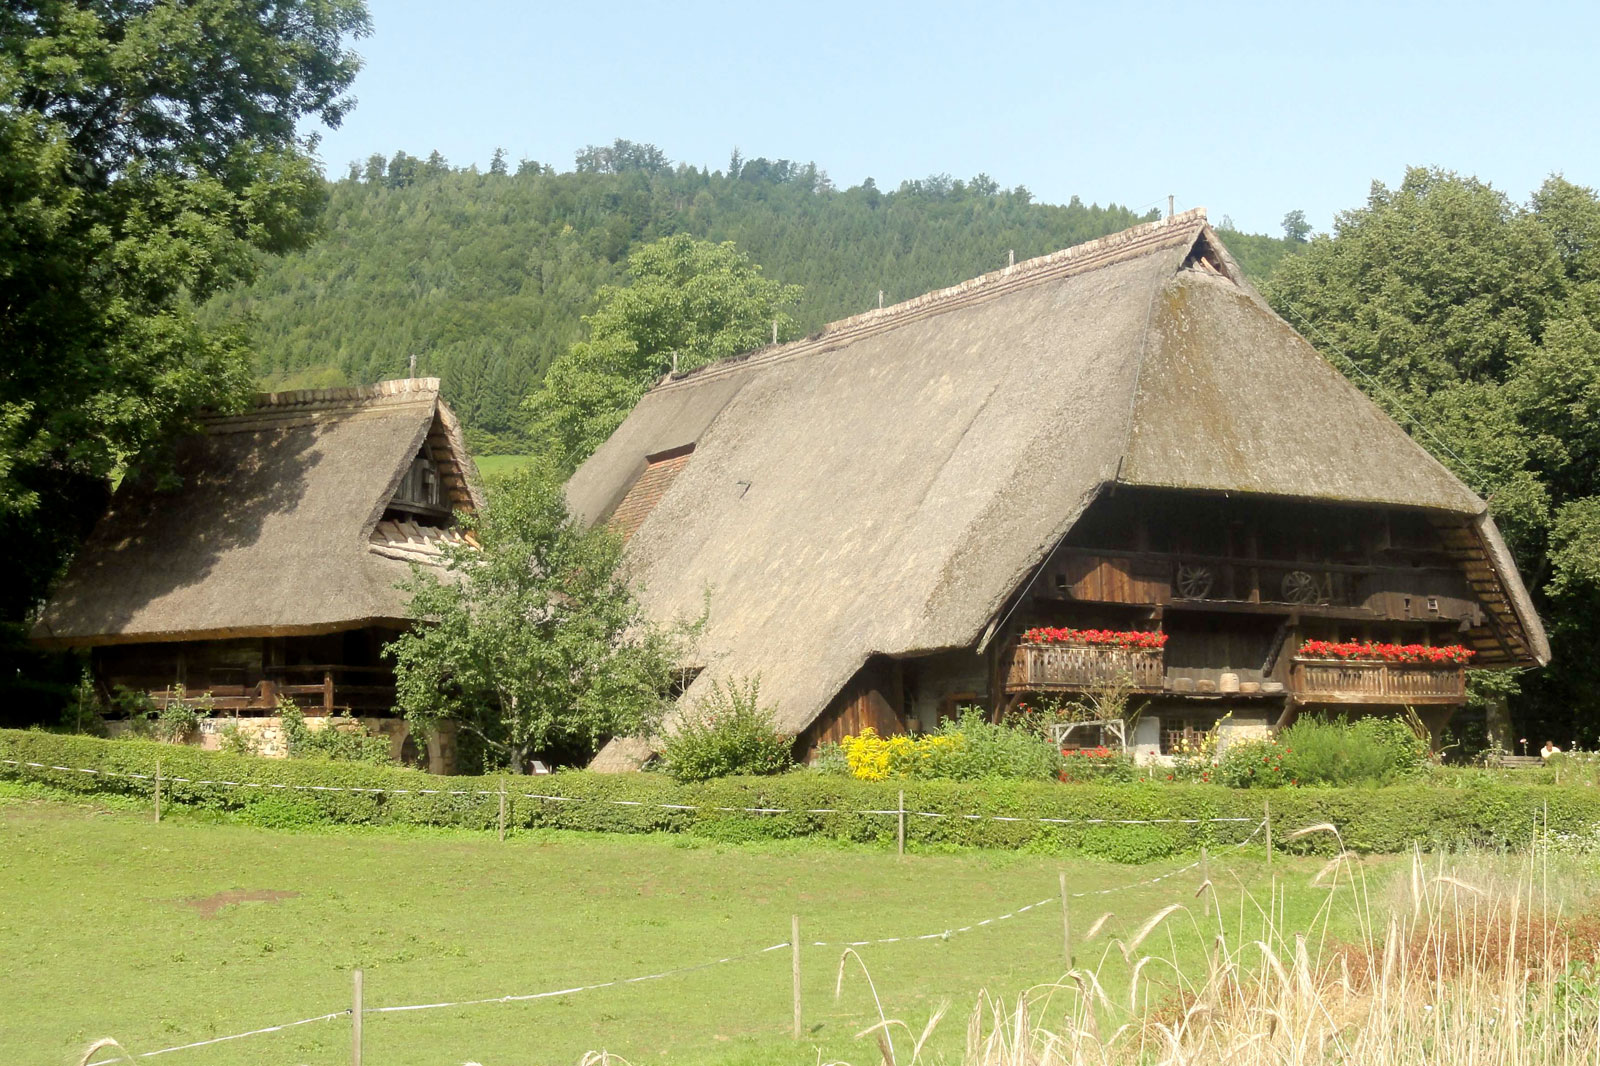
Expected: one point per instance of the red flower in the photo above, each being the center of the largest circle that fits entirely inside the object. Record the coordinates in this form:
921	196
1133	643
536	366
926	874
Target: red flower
1131	638
1384	652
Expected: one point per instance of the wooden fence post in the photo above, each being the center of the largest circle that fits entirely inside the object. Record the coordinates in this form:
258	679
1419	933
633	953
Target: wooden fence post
502	809
900	834
355	1022
1066	921
158	790
794	951
1267	806
1205	879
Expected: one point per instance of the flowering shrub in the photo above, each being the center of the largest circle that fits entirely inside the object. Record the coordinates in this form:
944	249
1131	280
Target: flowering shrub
1254	764
1390	653
874	758
1195	758
970	749
1117	638
1098	765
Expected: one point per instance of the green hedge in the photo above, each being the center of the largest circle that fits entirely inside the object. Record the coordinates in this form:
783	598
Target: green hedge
1480	812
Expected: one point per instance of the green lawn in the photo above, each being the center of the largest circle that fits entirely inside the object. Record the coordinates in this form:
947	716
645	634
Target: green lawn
111	925
496	465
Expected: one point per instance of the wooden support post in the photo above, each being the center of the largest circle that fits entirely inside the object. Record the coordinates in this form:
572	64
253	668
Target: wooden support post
1066	921
355	1021
502	809
158	790
1205	879
327	692
794	951
1267	807
900	833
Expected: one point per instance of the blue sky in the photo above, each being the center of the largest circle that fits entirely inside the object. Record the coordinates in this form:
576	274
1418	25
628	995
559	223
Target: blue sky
1249	110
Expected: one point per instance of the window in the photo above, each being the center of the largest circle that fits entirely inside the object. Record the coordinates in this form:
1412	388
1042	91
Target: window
1184	731
647	490
682	678
420	487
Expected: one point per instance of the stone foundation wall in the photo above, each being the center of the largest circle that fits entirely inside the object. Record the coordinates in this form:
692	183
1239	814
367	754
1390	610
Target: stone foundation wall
267	737
1243	724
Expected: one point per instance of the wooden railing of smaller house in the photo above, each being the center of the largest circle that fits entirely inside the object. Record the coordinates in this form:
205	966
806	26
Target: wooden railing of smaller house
1350	681
312	688
1073	667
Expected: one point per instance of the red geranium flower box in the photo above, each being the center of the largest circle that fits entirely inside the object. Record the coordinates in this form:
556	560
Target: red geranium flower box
1114	638
1371	651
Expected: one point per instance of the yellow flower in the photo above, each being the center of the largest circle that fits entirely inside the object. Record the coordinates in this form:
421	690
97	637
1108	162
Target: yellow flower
874	758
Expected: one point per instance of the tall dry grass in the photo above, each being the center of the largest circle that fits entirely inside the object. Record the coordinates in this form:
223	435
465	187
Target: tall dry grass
1466	961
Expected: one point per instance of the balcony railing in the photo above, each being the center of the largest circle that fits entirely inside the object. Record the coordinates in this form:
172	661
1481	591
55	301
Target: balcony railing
1074	667
1350	681
326	689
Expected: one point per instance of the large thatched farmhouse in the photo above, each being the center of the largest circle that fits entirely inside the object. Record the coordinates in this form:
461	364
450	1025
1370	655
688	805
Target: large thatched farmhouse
272	570
1113	464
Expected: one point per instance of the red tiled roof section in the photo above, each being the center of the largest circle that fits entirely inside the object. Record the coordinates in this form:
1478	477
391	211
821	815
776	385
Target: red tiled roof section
647	491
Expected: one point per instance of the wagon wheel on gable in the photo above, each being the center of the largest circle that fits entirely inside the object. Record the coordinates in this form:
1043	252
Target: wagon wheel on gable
1195	581
1302	586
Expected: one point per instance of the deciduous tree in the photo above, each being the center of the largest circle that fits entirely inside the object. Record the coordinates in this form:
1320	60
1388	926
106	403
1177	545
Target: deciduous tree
149	151
1295	227
533	642
689	303
1476	322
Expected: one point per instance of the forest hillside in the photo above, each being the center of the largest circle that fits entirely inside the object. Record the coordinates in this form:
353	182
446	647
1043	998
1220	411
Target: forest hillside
485	276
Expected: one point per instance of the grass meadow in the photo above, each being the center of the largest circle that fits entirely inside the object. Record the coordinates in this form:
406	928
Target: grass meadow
498	465
157	935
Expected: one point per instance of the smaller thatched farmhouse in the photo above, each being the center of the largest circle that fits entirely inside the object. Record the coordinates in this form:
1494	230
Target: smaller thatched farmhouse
271	570
1113	465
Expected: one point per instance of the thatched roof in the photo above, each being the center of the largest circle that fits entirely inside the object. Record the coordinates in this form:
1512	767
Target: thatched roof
884	486
274	528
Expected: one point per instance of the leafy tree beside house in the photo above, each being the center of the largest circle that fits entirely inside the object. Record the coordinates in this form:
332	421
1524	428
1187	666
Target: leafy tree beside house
1475	321
690	301
533	642
149	152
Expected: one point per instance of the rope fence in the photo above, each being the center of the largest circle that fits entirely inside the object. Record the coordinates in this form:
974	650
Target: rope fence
794	944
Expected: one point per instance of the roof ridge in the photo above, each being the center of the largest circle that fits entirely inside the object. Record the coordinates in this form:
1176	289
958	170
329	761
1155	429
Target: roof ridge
290	403
347	393
1074	259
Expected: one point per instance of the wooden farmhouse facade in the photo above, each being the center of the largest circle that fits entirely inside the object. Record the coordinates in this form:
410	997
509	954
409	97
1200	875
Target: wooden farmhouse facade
899	515
271	570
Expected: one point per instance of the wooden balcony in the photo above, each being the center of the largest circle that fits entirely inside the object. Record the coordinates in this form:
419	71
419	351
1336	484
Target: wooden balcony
1242	584
1350	681
316	689
1078	667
